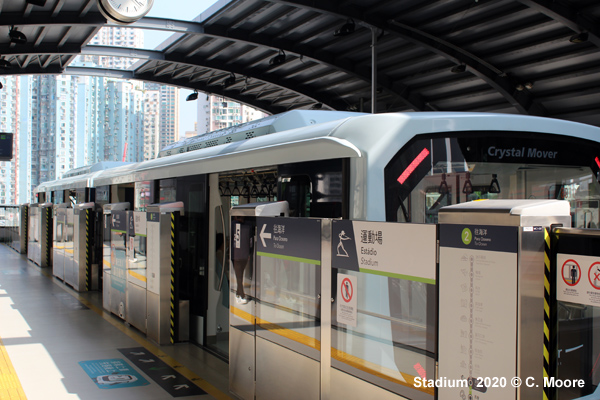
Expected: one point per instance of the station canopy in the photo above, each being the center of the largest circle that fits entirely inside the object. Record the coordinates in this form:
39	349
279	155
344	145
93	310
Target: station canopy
535	57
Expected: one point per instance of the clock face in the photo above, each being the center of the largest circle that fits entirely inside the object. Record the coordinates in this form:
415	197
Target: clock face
124	11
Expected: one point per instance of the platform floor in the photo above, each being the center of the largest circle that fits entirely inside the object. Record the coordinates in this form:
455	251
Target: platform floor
55	341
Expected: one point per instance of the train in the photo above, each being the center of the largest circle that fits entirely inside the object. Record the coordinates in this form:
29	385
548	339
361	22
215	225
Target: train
389	167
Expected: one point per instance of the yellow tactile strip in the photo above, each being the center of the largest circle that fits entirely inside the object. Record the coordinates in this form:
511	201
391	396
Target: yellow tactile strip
10	386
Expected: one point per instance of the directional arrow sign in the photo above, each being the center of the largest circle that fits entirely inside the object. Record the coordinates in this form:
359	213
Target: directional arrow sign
165	376
264	235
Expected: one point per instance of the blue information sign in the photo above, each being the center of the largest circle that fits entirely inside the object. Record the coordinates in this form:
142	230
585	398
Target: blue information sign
113	373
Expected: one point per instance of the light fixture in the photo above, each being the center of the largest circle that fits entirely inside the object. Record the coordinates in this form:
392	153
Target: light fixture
16	36
345	29
457	69
5	64
278	59
40	3
192	96
528	85
579	38
230	80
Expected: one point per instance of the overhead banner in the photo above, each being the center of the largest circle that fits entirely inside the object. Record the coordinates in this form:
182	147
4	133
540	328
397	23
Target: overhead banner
404	251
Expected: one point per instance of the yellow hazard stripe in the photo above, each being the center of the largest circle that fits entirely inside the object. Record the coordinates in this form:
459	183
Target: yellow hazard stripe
10	385
547	278
172	336
353	361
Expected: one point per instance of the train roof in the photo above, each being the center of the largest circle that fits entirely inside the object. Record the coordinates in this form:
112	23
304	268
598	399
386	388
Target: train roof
377	137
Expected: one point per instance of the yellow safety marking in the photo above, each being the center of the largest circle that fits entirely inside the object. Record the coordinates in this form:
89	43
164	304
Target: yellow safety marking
546	355
142	341
138	276
374	369
353	361
10	385
546	285
277	329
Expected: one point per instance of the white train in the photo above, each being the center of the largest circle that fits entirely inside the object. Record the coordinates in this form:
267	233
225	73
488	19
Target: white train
386	167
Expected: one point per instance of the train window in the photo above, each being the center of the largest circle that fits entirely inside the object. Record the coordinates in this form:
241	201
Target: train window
297	191
143	195
168	191
433	171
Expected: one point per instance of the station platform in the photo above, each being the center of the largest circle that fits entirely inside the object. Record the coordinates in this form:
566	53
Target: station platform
58	344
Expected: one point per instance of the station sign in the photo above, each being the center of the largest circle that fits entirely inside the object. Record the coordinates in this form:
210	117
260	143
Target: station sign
478	297
404	251
295	239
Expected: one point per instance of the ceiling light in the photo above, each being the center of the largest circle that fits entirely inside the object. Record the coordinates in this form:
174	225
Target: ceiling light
529	85
278	59
345	29
457	69
230	80
579	38
16	36
192	96
5	64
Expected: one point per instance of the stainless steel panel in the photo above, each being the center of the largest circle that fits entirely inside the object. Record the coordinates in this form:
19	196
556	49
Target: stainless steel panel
155	331
326	297
345	387
285	374
106	289
136	306
79	253
530	324
118	298
241	364
68	249
159	279
58	248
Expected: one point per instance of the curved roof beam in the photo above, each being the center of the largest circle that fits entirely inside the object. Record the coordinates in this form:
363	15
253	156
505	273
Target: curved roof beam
196	62
570	17
254	101
196	28
521	100
225	32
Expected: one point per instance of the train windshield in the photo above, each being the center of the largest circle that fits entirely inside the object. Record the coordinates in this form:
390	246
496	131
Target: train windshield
431	172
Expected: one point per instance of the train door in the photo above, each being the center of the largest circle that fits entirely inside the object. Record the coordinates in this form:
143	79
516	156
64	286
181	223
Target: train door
217	325
192	255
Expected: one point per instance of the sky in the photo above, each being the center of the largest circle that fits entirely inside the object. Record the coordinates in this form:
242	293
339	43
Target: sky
185	10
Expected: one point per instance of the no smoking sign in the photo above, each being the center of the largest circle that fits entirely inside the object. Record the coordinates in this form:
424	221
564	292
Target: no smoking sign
347	290
346	300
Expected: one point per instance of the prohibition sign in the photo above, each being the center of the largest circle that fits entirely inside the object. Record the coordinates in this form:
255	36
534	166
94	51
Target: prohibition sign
571	272
594	275
347	290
